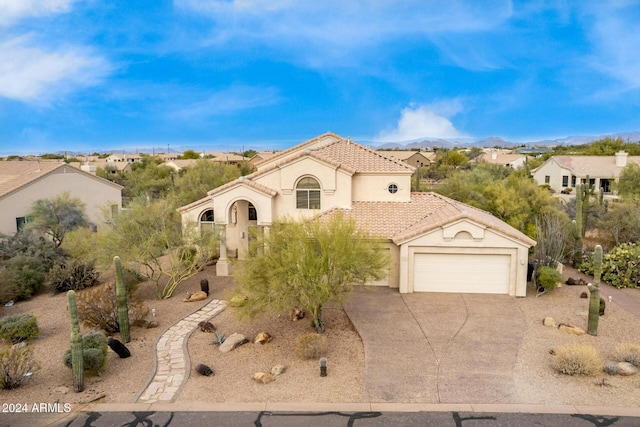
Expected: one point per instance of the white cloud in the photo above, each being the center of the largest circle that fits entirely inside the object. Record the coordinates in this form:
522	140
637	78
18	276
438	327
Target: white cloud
14	10
424	121
334	32
615	43
36	75
230	100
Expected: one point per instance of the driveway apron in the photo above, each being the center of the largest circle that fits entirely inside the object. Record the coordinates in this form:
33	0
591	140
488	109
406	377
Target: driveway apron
437	347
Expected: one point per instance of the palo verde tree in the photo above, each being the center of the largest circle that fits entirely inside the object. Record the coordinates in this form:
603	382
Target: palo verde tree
56	216
307	265
149	239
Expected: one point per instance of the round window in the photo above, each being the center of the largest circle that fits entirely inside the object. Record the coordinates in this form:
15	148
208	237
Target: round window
393	188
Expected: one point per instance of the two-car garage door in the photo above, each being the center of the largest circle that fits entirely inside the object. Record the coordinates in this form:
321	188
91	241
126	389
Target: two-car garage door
464	273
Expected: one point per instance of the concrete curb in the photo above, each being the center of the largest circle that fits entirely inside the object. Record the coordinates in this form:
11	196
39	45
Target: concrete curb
361	407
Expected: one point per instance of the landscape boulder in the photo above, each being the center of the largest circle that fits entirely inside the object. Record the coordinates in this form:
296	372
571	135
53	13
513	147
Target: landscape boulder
119	348
278	370
626	369
206	326
196	296
548	321
263	378
204	370
262	338
232	341
572	329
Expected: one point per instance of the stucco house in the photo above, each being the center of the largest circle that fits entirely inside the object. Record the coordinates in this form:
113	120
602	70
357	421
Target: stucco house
417	159
564	172
435	244
510	160
22	183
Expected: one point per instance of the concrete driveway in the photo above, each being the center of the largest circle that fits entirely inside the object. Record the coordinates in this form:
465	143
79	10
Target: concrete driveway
437	347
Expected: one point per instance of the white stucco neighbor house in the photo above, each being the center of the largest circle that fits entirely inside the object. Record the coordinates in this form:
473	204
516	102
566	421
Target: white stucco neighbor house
510	160
564	172
435	244
24	182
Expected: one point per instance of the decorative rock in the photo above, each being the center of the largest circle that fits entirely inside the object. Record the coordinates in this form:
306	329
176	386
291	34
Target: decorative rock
196	296
548	321
152	324
206	326
575	282
232	341
584	295
626	369
262	338
204	370
263	378
572	329
296	314
603	305
278	370
119	348
238	301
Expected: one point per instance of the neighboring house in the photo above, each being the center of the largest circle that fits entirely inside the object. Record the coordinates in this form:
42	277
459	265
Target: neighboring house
178	165
112	168
127	158
435	244
261	156
417	159
515	161
563	172
22	183
228	158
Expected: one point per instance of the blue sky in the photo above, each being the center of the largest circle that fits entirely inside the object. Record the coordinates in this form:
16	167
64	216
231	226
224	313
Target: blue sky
230	74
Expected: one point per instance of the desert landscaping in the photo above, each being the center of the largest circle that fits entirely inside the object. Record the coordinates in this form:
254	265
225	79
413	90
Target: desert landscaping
123	379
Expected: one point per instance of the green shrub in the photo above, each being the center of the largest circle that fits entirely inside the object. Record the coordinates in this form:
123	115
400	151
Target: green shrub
21	278
628	352
94	353
621	266
16	366
72	275
577	359
98	308
18	328
548	278
311	346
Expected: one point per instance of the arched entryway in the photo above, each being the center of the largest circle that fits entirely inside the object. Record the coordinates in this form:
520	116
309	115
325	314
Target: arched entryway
241	227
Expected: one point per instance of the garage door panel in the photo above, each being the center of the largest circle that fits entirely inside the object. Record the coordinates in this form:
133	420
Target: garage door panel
464	273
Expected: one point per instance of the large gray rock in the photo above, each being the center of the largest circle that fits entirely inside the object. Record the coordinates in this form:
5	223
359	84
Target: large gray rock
278	370
232	341
626	369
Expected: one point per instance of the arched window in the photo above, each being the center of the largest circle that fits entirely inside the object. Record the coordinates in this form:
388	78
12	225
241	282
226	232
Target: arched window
207	221
308	194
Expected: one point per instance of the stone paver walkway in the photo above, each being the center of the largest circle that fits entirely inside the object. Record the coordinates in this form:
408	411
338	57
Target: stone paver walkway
172	358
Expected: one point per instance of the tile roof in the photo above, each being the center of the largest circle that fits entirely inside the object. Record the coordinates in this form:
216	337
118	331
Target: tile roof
595	166
16	174
399	221
405	154
284	153
361	158
501	158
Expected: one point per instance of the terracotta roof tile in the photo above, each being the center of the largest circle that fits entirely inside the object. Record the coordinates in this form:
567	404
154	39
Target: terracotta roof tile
16	174
361	158
399	221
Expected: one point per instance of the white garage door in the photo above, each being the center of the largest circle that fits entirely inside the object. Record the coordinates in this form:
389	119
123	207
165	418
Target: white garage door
464	273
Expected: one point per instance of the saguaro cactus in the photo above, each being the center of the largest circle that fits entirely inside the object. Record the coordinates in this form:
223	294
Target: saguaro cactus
77	356
597	264
121	295
595	300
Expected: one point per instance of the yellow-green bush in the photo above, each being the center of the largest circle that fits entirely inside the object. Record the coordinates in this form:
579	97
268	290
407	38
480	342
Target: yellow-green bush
577	359
628	352
15	365
311	346
18	328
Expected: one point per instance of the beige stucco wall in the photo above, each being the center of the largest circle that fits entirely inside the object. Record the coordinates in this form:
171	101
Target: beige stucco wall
374	187
555	173
94	192
483	240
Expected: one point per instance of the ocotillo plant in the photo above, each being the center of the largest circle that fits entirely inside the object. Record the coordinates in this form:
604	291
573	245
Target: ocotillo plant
597	264
77	356
121	295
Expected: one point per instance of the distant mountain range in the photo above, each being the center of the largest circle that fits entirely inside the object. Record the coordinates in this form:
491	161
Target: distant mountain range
426	143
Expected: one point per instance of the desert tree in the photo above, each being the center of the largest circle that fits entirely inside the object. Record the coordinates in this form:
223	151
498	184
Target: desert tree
148	237
307	265
56	216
